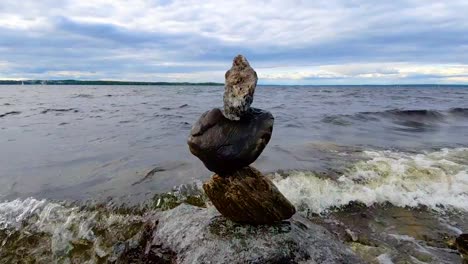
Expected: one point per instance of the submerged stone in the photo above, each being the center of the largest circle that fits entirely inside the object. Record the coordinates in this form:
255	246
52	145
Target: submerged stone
239	88
225	145
203	236
246	196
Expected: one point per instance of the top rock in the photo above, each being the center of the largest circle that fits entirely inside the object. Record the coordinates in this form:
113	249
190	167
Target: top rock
239	88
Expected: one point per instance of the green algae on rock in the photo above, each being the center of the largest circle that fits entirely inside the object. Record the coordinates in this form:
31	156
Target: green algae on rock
462	246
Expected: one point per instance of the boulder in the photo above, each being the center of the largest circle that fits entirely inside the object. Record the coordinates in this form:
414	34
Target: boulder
239	88
198	235
225	145
246	196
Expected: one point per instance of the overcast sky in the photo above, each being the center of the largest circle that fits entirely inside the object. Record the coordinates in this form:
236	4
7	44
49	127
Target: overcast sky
287	42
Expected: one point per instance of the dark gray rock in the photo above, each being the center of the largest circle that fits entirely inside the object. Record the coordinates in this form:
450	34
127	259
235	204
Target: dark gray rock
203	236
239	88
225	145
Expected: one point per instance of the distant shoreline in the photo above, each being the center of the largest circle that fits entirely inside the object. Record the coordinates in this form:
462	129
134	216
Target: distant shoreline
91	82
77	82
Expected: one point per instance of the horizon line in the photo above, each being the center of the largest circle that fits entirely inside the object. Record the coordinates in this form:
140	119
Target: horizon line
115	82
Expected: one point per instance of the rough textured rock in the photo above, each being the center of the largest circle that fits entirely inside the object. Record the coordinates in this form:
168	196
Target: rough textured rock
246	196
462	246
225	145
239	88
203	236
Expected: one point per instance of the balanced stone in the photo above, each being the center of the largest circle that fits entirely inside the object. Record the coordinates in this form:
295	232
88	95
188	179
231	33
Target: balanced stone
224	145
239	88
246	196
227	142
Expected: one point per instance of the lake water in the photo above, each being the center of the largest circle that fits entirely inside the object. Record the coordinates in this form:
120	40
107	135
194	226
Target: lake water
407	146
91	142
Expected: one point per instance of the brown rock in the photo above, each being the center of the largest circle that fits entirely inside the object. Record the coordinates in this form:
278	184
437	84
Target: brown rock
239	88
246	196
224	145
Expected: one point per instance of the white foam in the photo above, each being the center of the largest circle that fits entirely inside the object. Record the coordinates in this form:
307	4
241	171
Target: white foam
385	259
14	213
44	216
64	224
436	179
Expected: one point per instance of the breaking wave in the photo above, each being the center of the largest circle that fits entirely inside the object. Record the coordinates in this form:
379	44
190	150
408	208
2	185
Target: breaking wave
42	231
437	180
412	118
46	232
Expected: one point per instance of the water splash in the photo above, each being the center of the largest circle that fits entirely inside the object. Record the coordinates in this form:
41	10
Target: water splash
434	179
65	233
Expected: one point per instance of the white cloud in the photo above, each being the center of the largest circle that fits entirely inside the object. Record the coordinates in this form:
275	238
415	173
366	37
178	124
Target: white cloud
71	74
368	72
4	65
193	40
18	22
206	76
268	23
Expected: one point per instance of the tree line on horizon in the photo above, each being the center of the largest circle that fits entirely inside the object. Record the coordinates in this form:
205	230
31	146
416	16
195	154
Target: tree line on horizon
79	82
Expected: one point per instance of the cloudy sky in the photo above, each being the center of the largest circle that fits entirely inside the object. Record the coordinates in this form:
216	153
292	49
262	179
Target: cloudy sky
287	42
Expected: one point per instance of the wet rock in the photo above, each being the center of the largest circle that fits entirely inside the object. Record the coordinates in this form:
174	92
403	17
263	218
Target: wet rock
202	236
225	145
404	234
462	246
239	88
148	250
370	254
246	196
351	236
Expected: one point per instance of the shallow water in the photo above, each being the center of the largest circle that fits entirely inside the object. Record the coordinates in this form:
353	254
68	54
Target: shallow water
401	154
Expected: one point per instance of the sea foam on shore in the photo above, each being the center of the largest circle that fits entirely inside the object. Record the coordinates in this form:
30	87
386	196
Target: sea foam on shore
436	179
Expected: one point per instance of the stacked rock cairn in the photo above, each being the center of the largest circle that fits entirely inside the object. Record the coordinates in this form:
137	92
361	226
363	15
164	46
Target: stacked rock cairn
227	142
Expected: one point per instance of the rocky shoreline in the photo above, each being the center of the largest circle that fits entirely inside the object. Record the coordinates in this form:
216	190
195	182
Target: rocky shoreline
174	230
